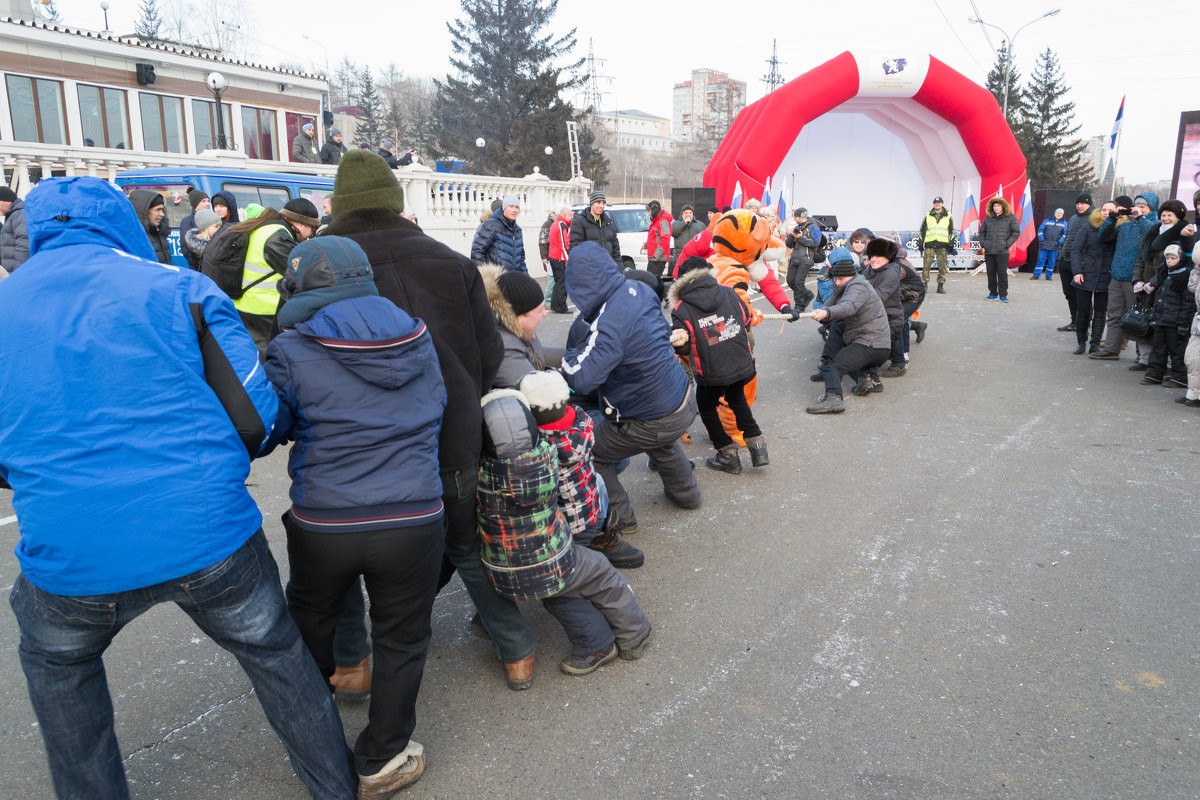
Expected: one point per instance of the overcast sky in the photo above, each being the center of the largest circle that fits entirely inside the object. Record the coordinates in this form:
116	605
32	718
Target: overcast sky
1107	48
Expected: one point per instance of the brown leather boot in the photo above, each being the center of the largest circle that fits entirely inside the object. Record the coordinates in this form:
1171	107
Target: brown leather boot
352	683
520	673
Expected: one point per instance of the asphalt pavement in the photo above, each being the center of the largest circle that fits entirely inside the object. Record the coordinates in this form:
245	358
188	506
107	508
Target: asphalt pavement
981	583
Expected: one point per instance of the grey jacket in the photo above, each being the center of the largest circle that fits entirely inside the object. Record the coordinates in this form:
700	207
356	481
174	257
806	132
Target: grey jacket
14	240
859	305
886	281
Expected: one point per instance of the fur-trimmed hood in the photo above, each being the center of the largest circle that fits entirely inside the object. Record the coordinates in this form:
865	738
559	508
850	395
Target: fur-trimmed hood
679	285
1002	201
1096	218
506	317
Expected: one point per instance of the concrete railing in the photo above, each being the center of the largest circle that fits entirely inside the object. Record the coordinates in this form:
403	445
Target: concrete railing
447	206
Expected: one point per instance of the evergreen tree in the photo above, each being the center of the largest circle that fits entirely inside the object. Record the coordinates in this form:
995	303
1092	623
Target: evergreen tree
995	85
149	21
507	90
343	85
1053	159
370	125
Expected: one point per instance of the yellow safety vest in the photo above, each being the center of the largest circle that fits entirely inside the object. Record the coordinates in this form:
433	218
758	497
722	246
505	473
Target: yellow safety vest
262	299
937	231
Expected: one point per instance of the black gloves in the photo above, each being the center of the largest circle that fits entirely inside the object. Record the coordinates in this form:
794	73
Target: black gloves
795	315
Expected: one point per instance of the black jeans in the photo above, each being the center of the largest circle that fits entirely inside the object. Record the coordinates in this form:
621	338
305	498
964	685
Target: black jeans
997	273
1090	307
1168	342
1068	285
656	268
400	567
796	273
707	398
853	360
558	295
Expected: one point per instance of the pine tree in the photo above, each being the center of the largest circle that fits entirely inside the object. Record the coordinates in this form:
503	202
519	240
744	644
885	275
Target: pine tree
370	126
149	21
995	85
1053	160
507	90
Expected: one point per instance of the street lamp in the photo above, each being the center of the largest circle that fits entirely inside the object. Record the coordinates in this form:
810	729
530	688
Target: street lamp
1009	50
104	8
216	83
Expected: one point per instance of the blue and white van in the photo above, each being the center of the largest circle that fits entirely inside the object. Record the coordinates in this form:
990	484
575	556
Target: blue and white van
272	189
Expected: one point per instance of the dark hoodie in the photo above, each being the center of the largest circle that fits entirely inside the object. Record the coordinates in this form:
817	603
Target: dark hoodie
997	233
143	201
365	456
717	325
230	202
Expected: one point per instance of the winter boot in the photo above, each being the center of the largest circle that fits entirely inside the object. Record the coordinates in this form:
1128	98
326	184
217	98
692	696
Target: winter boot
827	403
620	553
352	683
919	328
758	451
725	460
817	377
941	288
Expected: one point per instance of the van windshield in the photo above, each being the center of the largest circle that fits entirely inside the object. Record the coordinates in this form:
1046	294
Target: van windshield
630	220
175	199
275	197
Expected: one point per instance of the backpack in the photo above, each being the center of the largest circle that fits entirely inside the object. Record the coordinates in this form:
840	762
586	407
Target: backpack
819	250
225	260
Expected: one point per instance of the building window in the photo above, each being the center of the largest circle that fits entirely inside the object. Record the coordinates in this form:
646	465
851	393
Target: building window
204	125
162	123
294	123
38	113
105	120
258	132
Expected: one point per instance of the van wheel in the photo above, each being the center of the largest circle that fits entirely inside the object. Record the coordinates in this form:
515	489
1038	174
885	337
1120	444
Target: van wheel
626	264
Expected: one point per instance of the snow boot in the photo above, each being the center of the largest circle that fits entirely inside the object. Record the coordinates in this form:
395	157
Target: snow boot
726	460
758	451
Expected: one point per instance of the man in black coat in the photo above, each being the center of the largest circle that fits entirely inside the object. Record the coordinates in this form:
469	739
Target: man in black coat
1066	274
429	280
594	225
151	211
333	150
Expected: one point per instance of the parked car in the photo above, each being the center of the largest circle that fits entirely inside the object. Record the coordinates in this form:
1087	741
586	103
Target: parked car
633	222
272	189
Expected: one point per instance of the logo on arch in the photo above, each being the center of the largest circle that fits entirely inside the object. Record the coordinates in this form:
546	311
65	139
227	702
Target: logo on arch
894	66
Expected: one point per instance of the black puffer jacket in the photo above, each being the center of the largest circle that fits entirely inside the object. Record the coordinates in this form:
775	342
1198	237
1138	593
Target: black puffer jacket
430	281
886	281
143	200
998	233
1175	305
603	231
1150	258
1075	226
1091	257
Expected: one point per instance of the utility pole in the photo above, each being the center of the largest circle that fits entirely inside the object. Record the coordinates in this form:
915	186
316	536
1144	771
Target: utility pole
773	79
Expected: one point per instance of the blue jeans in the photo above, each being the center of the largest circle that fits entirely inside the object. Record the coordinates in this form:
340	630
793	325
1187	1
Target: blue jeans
238	602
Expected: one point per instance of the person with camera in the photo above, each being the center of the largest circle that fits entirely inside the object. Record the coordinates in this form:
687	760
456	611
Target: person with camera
804	240
1124	229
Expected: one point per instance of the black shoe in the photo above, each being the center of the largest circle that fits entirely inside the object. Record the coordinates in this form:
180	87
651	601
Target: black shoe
725	460
1150	380
1070	326
920	327
866	385
620	553
583	665
1095	348
1174	383
1137	366
941	288
895	370
758	451
1079	350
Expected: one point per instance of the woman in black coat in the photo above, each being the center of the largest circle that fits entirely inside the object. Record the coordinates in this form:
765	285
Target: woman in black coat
1091	263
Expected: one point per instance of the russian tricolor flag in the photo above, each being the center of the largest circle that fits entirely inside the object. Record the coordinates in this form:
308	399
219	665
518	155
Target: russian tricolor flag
782	212
1028	230
970	222
736	200
1112	140
766	200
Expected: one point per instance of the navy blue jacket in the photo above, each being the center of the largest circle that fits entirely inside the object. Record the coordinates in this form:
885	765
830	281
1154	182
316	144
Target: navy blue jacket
1090	257
499	241
626	356
361	383
1052	233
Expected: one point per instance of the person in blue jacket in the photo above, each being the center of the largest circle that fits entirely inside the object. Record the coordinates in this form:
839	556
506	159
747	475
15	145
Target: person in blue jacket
499	240
626	359
128	478
359	383
1051	234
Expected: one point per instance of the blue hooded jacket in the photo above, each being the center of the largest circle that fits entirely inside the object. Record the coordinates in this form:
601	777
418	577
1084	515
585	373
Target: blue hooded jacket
499	241
133	400
1128	237
626	356
361	381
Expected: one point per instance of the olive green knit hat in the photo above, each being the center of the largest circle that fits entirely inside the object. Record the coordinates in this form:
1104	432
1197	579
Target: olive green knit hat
364	180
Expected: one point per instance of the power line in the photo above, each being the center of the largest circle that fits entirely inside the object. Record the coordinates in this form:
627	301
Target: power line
954	30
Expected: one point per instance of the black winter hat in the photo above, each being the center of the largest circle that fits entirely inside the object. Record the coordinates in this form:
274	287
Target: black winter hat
596	196
882	247
364	180
1123	201
1085	197
7	195
196	197
692	263
301	211
1176	207
521	291
649	278
844	269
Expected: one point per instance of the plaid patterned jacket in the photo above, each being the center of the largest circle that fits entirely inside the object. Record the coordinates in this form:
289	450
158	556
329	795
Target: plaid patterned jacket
578	484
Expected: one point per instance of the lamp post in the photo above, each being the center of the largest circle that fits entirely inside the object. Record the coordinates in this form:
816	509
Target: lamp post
104	8
1009	50
216	83
549	152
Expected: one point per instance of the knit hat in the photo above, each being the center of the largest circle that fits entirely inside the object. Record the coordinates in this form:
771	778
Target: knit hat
220	200
882	247
801	212
841	263
321	271
692	263
510	200
1176	207
521	291
1084	197
7	195
301	211
547	394
388	145
206	217
364	180
1173	250
686	207
196	197
596	196
1058	211
1141	200
335	132
307	125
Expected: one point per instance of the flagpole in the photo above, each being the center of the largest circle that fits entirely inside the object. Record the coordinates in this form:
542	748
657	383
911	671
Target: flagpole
1116	153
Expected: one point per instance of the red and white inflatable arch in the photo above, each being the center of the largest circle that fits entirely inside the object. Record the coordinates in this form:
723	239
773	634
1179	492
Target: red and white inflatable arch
872	140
